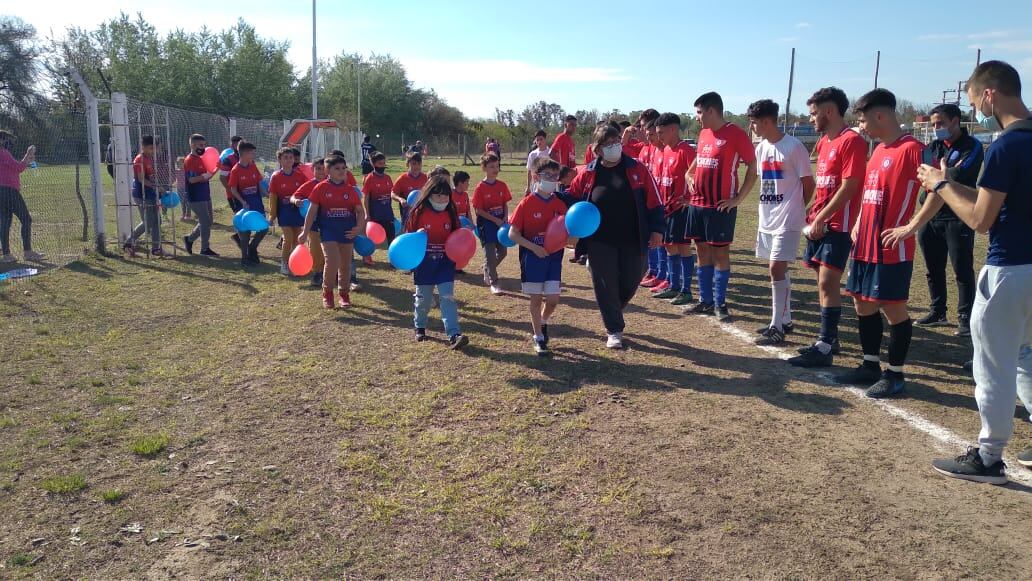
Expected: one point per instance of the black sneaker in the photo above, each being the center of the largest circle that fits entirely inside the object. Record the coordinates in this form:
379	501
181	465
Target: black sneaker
963	329
969	466
668	294
969	366
420	335
458	342
723	314
834	347
317	279
699	309
544	332
1025	458
891	384
812	357
541	348
932	319
188	244
866	373
279	245
786	328
209	252
773	336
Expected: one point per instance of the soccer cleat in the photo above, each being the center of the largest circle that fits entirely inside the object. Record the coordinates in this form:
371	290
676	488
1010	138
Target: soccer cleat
932	319
649	281
345	300
834	347
866	373
969	466
890	384
188	244
209	252
614	341
354	287
458	342
327	298
1025	458
662	286
699	309
541	348
682	299
496	290
773	336
666	294
582	260
788	328
812	357
420	335
723	315
544	332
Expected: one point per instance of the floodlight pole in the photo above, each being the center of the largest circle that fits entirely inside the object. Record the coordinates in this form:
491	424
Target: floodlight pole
315	70
791	77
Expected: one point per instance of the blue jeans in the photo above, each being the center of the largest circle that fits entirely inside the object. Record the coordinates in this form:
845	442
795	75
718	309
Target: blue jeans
449	310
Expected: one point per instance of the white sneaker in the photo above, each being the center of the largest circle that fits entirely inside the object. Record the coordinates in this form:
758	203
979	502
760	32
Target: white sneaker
355	287
284	269
615	341
33	256
495	290
8	259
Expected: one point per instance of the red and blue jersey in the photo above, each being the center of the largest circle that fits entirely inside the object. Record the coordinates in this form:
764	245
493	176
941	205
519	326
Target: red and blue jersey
673	165
492	197
436	267
406	183
193	166
143	164
716	167
889	196
245	179
533	215
335	200
377	188
461	201
839	158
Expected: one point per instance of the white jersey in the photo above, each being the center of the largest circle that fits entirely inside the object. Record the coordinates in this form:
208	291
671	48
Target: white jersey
781	167
534	155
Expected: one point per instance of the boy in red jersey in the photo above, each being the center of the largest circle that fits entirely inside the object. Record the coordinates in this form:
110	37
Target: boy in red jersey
145	196
714	198
562	147
413	179
674	160
314	241
245	185
282	186
841	167
377	187
879	277
226	165
540	271
198	196
491	203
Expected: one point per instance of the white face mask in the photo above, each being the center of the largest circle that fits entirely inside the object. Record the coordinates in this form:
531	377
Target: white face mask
439	206
611	153
546	188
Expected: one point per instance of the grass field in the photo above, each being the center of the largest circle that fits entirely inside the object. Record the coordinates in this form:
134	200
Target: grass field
186	418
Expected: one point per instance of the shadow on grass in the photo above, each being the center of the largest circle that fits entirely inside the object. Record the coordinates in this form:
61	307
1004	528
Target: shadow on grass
197	267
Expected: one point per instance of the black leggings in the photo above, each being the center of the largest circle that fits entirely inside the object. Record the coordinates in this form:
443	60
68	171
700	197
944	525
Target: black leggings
12	204
615	274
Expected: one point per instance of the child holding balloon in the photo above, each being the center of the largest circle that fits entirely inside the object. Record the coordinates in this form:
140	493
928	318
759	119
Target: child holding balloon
491	202
540	268
377	187
299	198
434	213
412	180
282	186
197	174
246	188
336	209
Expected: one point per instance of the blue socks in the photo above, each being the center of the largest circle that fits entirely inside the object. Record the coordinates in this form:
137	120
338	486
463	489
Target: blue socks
662	270
687	267
705	274
829	323
653	261
720	278
674	265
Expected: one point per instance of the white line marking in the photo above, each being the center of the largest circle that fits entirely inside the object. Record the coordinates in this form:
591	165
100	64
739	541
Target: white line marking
1015	471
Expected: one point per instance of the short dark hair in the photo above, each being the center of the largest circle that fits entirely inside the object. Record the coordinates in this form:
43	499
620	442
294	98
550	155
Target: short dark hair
668	119
197	137
440	171
950	110
876	99
318	161
414	158
540	133
147	140
996	75
710	100
624	124
460	177
545	162
235	139
297	152
283	151
648	115
565	171
763	109
570	118
830	95
338	153
365	139
377	156
246	146
334	160
488	158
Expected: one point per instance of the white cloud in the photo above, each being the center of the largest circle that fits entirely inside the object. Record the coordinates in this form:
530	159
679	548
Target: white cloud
939	37
788	39
1014	45
989	34
486	71
802	25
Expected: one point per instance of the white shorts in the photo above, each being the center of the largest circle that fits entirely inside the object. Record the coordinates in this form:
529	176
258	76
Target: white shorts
782	247
549	287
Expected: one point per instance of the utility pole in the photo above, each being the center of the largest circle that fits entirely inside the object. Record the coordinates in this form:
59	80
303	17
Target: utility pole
877	68
315	70
359	69
791	77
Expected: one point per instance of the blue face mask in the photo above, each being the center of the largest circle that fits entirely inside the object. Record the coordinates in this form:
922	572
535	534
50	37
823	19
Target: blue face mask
942	133
989	122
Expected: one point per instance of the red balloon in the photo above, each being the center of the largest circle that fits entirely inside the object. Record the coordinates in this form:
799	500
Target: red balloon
210	159
556	235
300	261
306	170
461	246
375	232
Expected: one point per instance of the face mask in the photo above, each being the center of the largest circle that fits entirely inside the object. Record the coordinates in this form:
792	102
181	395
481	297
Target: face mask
988	122
942	133
611	153
547	187
439	206
379	170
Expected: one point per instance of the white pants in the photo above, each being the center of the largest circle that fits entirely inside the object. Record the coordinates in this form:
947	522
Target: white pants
1001	331
780	247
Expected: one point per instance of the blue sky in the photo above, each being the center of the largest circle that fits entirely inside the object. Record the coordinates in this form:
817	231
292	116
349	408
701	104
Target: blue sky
627	55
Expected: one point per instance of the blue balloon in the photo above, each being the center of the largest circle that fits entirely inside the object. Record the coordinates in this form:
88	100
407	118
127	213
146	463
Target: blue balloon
397	227
265	184
225	154
582	219
408	250
237	220
364	246
503	237
412	197
466	223
358	191
170	199
305	206
253	221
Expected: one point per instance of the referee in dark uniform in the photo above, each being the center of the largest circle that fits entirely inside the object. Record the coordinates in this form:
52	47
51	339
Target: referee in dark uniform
946	236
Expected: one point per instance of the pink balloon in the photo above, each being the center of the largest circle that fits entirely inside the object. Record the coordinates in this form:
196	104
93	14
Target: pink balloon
461	246
556	235
210	159
300	261
375	232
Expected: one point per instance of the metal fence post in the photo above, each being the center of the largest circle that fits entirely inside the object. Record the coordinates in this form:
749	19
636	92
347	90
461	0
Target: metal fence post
93	143
123	171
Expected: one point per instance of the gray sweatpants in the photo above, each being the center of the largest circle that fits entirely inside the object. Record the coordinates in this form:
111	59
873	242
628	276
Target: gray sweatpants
203	212
148	222
494	254
1001	331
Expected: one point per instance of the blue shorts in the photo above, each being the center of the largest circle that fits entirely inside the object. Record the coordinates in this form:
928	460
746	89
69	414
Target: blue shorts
288	215
882	283
487	231
677	228
254	202
832	251
336	229
436	268
381	210
711	226
534	269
